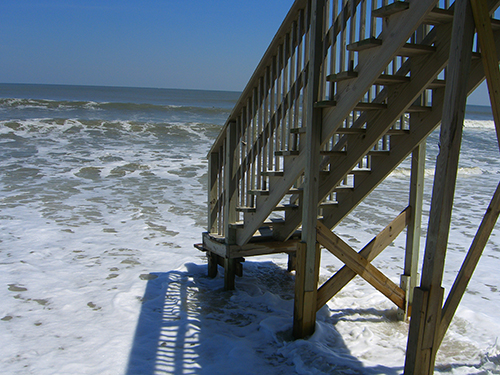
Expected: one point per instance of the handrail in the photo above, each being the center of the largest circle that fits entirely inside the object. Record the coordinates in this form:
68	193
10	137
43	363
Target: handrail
291	17
269	119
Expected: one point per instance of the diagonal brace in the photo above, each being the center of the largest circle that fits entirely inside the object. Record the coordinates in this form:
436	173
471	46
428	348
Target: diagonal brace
360	265
343	276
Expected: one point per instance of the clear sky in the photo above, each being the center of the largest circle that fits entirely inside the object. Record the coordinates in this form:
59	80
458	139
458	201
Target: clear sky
207	44
195	44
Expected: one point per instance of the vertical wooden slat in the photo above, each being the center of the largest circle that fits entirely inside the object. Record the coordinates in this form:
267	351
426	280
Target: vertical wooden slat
213	192
272	134
306	287
489	57
352	34
260	143
266	125
333	47
231	196
373	20
253	129
284	90
220	226
423	341
343	37
410	273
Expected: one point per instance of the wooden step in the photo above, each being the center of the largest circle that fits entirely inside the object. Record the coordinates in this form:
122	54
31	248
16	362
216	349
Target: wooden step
418	109
263	193
351	131
371	107
378	153
333	153
413	49
343	188
397	132
382	80
439	16
280	207
286	207
328	204
389	10
435	17
268	222
391	79
298	130
287	153
365	44
246	209
273	173
437	84
362	106
408	50
342	76
360	171
259	193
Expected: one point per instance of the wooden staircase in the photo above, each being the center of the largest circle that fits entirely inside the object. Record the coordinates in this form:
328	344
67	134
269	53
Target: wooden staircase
342	96
379	94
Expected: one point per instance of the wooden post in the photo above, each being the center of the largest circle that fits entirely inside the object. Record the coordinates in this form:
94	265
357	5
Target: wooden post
489	56
231	200
212	264
410	275
470	262
304	314
423	339
307	272
490	62
213	192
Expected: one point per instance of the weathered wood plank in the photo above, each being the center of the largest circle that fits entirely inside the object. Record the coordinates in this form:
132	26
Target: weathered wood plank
304	312
369	252
410	273
489	56
231	191
213	194
360	265
470	262
426	344
372	65
310	268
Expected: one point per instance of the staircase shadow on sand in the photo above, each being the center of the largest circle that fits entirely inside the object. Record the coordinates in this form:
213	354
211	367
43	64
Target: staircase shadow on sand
189	325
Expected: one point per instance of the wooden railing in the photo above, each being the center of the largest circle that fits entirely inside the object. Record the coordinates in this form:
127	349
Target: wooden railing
260	123
265	124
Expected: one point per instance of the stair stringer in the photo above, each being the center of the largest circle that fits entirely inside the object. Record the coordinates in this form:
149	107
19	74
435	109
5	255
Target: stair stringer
399	29
380	121
405	145
276	193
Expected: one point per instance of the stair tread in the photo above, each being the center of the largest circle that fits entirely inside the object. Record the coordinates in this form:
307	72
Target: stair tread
245	209
298	130
439	16
388	10
333	153
436	84
268	222
408	50
378	152
382	80
262	192
361	106
273	173
287	153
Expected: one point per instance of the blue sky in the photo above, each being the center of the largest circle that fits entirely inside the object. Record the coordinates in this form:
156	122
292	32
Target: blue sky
169	43
195	44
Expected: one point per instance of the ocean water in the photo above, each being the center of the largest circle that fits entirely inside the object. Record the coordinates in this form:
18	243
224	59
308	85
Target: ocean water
103	194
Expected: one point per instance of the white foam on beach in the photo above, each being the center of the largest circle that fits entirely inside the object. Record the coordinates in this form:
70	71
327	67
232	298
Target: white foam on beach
98	274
